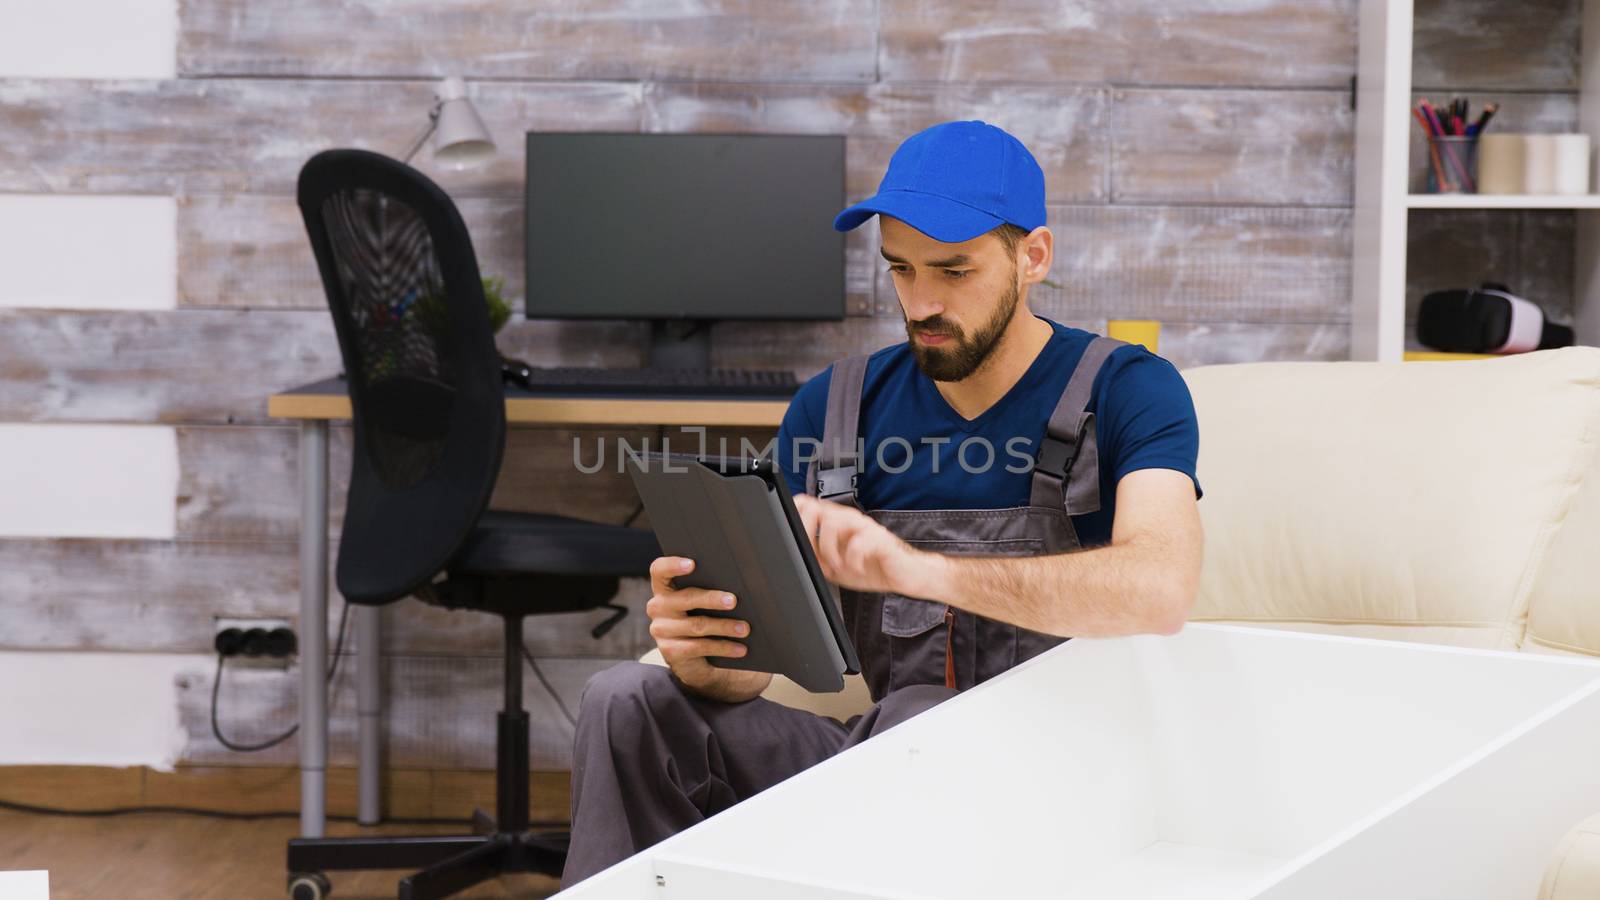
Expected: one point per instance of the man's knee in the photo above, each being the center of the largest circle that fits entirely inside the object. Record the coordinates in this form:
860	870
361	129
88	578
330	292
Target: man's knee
633	687
900	705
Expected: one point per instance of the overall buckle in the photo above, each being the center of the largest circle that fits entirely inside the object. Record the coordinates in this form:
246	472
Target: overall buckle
1056	456
836	482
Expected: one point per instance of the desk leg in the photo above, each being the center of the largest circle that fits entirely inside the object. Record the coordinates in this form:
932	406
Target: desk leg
313	626
369	703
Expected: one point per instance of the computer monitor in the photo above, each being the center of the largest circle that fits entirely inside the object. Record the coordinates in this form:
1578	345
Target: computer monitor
684	229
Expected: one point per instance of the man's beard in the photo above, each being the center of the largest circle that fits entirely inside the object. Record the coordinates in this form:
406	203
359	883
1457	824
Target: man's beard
961	356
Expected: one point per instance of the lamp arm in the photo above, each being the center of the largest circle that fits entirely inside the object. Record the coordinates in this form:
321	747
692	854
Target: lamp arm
433	124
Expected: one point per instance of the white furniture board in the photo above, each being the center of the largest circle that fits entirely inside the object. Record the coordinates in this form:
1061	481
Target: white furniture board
34	885
1220	762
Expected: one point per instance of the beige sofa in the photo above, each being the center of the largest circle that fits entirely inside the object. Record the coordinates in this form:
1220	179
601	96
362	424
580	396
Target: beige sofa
1444	502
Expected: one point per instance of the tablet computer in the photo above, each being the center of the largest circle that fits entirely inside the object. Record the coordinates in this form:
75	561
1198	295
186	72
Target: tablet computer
734	517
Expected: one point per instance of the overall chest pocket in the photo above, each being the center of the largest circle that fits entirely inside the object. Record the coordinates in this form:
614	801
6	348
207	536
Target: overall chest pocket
905	617
924	641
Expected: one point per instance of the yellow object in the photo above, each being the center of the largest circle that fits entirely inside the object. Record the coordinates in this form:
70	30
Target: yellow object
1436	356
1135	331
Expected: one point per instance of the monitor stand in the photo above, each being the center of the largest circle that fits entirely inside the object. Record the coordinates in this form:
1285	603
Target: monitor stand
680	344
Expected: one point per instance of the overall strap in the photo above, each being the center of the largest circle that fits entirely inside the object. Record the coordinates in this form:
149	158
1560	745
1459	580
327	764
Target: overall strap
833	475
1067	468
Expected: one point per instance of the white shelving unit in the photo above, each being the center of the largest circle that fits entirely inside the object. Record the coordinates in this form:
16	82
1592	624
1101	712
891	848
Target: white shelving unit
1382	198
1502	201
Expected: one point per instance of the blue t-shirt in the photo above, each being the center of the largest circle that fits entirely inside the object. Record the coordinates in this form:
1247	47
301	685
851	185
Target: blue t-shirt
921	454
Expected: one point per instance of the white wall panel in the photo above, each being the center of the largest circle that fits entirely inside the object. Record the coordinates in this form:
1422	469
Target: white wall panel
93	709
88	252
111	481
88	38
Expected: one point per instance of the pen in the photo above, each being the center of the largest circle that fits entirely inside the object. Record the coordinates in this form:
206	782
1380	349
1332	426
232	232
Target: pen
1433	149
1489	109
1433	118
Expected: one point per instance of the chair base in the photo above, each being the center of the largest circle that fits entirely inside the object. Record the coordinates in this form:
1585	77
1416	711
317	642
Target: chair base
452	863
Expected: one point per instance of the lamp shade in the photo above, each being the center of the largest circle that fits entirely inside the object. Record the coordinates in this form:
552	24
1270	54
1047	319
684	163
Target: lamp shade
460	140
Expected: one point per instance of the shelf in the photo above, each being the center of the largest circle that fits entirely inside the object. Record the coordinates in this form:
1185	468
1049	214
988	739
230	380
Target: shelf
1385	131
1503	201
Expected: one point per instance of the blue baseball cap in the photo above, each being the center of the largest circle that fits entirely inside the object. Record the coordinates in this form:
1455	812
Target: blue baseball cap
955	181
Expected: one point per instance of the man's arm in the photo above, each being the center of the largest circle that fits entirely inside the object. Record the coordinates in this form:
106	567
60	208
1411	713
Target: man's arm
1144	581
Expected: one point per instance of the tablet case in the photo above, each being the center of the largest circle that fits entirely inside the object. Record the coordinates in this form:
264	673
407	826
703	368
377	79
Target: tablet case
740	527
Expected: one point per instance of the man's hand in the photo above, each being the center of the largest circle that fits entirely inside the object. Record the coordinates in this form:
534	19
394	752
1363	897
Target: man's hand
686	640
858	553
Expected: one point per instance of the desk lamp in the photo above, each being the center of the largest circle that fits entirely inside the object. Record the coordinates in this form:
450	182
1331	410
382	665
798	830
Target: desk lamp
460	139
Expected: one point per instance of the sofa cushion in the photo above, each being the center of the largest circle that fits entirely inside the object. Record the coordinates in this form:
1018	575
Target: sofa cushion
1439	499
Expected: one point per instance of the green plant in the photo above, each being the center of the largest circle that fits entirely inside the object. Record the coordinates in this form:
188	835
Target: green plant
434	316
499	307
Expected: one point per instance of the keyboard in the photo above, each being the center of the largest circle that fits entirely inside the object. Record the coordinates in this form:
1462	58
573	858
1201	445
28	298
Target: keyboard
652	382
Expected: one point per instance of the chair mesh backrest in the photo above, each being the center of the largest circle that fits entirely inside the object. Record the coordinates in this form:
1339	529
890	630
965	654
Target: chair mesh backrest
395	300
424	378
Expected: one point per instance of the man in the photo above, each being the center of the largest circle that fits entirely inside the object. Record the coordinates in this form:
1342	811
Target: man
987	489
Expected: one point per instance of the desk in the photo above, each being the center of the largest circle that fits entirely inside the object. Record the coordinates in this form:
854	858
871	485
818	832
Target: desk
314	406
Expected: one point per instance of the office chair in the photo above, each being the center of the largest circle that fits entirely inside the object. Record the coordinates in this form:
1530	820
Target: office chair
429	422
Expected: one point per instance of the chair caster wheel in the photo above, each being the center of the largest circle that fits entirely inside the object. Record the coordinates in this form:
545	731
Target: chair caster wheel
309	886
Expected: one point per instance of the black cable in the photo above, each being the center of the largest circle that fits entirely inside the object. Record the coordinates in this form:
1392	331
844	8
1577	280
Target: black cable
216	686
638	510
223	814
634	517
333	669
548	689
344	618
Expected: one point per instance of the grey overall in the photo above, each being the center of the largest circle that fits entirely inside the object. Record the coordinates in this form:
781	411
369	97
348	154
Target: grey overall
650	758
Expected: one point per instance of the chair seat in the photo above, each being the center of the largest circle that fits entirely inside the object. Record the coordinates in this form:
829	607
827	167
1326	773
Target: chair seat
514	543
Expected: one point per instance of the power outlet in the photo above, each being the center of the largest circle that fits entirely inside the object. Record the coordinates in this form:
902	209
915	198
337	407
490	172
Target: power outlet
239	627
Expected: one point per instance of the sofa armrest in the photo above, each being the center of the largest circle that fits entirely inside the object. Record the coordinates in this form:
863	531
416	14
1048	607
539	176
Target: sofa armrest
1574	869
853	700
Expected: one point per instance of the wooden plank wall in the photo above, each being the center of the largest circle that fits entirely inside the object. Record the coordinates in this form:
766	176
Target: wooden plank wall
1199	163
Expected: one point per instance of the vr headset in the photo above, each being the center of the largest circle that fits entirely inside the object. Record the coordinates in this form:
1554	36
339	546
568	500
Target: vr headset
1488	319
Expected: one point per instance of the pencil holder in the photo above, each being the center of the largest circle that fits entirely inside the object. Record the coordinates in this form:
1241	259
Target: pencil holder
1452	165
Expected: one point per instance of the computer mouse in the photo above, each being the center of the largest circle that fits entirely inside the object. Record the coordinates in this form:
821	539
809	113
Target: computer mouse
515	370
